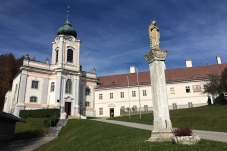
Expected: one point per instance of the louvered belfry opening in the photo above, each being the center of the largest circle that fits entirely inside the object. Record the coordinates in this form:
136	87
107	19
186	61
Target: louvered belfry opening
70	56
56	56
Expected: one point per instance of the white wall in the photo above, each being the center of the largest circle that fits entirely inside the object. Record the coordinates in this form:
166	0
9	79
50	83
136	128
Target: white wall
180	97
7	102
34	92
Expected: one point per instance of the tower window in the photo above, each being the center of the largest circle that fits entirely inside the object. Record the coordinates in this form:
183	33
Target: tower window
35	84
87	91
57	56
68	87
70	56
52	87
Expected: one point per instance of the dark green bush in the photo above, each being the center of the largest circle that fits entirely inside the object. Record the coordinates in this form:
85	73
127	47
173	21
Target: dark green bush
40	113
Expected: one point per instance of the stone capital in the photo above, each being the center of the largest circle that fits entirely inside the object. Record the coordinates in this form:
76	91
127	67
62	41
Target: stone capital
156	54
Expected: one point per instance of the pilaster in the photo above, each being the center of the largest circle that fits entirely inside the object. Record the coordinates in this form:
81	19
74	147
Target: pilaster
76	107
45	89
22	88
58	87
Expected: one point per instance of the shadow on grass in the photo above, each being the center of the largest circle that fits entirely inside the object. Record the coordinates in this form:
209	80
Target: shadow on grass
28	135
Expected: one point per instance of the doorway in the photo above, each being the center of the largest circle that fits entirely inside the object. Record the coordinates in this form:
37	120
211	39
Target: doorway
111	112
68	108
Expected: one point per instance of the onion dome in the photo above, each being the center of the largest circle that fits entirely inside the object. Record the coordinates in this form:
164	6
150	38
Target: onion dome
67	29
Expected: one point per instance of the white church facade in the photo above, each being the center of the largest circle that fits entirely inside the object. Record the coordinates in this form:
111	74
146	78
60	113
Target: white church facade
62	84
59	84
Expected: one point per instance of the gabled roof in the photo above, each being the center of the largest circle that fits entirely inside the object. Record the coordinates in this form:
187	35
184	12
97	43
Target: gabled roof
172	75
10	117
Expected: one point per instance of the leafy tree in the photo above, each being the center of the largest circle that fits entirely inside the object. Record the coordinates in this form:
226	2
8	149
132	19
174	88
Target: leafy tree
216	85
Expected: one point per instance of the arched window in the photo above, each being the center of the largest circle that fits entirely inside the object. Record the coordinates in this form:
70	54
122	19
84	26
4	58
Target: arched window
56	55
70	56
33	99
52	86
68	86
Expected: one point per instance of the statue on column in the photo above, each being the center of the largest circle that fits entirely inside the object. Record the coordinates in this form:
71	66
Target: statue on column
154	36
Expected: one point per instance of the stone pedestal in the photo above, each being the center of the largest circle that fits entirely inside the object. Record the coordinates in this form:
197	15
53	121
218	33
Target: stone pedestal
162	123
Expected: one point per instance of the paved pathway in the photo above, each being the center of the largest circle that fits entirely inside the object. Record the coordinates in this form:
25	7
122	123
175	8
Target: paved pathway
25	145
209	135
31	144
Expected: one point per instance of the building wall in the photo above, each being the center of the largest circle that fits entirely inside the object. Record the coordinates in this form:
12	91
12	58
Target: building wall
12	96
179	96
34	76
7	102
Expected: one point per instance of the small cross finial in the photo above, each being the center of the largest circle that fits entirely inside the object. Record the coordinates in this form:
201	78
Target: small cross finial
68	13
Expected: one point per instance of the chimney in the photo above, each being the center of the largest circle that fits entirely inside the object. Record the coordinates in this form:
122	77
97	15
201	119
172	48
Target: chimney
188	63
132	69
218	59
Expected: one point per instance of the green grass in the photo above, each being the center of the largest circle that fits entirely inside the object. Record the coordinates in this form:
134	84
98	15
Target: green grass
89	135
34	127
212	118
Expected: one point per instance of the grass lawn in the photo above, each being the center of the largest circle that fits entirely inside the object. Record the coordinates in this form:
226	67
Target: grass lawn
34	127
89	135
212	118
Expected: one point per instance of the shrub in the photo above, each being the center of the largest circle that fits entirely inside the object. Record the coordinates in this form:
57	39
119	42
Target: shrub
40	113
182	131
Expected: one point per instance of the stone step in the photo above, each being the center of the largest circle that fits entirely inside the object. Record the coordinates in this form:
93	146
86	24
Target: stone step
73	117
54	131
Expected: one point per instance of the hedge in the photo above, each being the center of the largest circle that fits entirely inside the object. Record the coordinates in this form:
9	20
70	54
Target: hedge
40	113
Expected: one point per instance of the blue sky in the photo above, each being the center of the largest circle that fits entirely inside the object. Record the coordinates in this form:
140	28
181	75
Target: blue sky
114	32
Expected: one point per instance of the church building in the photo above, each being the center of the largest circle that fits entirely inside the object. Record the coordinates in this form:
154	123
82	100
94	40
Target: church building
60	83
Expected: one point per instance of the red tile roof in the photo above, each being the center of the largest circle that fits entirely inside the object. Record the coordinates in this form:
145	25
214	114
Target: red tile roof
179	74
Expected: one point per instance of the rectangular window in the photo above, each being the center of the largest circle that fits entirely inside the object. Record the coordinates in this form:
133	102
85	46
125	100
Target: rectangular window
122	95
144	92
52	87
123	108
134	108
187	89
87	91
145	108
35	84
111	95
33	99
133	93
172	91
101	111
87	104
100	96
174	106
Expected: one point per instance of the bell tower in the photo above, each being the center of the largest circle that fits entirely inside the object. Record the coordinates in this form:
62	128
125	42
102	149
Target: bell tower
66	48
66	58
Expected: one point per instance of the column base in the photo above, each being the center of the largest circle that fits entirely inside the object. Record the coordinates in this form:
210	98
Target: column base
160	137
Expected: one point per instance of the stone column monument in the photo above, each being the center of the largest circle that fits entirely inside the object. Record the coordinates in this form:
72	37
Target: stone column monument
156	59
